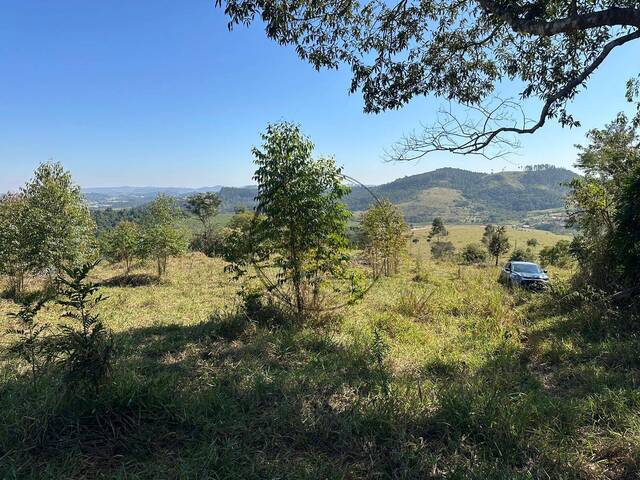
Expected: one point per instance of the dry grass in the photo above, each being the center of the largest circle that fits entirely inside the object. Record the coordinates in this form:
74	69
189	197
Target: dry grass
462	235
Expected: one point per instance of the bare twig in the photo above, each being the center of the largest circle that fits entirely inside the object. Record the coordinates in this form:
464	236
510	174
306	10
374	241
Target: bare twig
484	134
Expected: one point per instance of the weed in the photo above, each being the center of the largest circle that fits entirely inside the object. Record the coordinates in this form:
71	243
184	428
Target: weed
415	303
30	346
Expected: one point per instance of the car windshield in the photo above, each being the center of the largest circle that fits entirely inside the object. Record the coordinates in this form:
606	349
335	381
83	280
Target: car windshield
526	268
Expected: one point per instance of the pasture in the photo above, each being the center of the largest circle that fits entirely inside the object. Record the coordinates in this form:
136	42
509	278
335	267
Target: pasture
439	372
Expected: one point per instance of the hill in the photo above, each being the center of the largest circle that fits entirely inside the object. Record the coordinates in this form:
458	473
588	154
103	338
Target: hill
534	196
463	196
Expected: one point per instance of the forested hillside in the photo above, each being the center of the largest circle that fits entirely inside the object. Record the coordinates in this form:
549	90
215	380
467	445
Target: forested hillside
534	196
469	197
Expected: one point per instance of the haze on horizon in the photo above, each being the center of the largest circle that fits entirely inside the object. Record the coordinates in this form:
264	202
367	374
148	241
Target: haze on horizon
162	94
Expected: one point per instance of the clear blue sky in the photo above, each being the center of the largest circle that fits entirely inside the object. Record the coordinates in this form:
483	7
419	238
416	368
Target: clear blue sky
158	92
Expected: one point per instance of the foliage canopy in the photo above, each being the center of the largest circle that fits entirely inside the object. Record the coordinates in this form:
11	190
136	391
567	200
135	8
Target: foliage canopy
603	206
45	226
459	51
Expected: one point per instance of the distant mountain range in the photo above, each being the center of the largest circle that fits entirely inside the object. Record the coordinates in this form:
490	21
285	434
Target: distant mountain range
534	196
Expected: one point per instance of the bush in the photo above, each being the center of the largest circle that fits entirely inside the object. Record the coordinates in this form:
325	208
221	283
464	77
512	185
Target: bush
162	238
603	207
260	308
473	253
442	250
30	346
384	235
522	255
122	244
211	244
86	346
559	255
43	227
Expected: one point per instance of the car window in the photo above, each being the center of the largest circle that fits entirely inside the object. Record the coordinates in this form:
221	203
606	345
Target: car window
526	268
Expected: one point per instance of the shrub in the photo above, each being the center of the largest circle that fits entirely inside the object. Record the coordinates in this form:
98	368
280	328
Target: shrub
532	242
15	254
384	234
302	232
442	250
420	274
521	255
44	226
29	346
62	231
260	308
161	237
122	244
85	345
558	255
603	207
473	253
414	303
211	243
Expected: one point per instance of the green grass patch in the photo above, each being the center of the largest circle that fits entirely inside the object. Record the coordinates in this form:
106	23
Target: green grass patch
451	376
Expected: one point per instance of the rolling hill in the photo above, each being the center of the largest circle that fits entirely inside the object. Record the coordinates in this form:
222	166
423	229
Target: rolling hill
534	196
463	196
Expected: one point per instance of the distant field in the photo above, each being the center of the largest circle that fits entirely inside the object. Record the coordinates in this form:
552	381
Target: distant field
461	235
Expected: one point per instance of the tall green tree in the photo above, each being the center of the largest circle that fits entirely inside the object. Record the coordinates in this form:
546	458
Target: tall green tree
62	231
205	207
162	237
498	243
45	226
602	206
438	230
489	230
460	51
626	240
123	243
384	233
303	221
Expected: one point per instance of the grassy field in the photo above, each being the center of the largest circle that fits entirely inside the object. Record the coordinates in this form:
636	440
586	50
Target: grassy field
437	373
462	235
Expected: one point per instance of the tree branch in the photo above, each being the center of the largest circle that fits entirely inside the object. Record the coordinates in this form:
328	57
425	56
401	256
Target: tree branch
615	16
468	137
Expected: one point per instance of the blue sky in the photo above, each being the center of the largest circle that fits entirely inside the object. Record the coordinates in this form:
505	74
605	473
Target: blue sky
160	93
